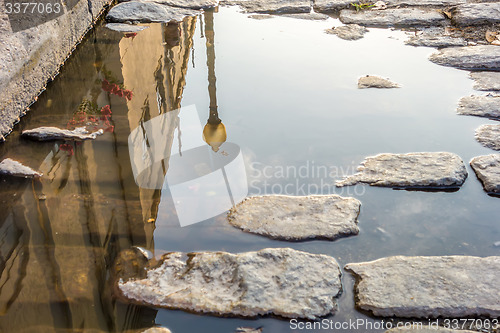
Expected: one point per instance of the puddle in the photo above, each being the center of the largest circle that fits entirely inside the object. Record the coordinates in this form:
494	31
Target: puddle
286	94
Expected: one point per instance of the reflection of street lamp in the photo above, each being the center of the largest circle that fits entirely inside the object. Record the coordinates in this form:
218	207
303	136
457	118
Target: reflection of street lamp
214	132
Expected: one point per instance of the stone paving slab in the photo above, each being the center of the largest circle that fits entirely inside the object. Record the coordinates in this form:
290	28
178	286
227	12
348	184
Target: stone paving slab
271	6
489	136
297	218
486	81
429	287
410	171
469	57
145	12
487	169
282	282
398	17
480	106
476	14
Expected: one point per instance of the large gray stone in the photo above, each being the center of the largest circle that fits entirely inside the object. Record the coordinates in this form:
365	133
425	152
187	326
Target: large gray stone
348	32
481	106
469	57
54	133
435	37
426	329
325	6
412	170
429	287
297	218
400	17
13	168
476	14
190	4
373	81
32	49
144	11
271	6
487	169
489	136
283	282
486	81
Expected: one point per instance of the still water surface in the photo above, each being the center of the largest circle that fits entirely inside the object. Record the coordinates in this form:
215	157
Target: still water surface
287	94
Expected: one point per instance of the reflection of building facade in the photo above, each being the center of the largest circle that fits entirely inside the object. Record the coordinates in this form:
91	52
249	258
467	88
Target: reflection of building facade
156	72
59	237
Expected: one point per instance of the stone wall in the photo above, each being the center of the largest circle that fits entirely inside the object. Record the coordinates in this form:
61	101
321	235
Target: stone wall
32	49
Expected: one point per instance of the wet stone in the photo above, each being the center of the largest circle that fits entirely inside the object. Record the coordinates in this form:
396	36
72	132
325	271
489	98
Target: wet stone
429	287
487	169
54	133
489	136
480	106
282	282
142	11
373	81
426	329
308	16
157	330
325	6
486	81
9	167
469	57
297	218
476	14
348	31
435	37
189	4
400	17
123	27
271	6
439	170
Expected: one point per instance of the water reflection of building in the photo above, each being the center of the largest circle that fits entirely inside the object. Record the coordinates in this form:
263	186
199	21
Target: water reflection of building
60	236
157	75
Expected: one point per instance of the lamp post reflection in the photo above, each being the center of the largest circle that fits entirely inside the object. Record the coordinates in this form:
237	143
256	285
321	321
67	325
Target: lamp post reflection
214	132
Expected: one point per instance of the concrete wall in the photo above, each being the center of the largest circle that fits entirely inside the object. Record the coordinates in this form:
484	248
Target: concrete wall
32	49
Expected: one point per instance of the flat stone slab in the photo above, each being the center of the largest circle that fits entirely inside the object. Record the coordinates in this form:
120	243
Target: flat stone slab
325	6
476	14
400	17
308	16
469	57
486	81
435	37
489	136
9	167
271	6
297	218
282	282
190	4
145	12
487	169
373	81
123	27
54	133
410	171
429	287
348	31
480	106
426	329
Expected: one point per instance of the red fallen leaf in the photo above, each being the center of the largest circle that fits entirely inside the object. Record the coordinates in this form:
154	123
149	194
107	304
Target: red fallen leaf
93	119
106	86
110	128
119	93
128	94
67	148
115	89
106	110
130	34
